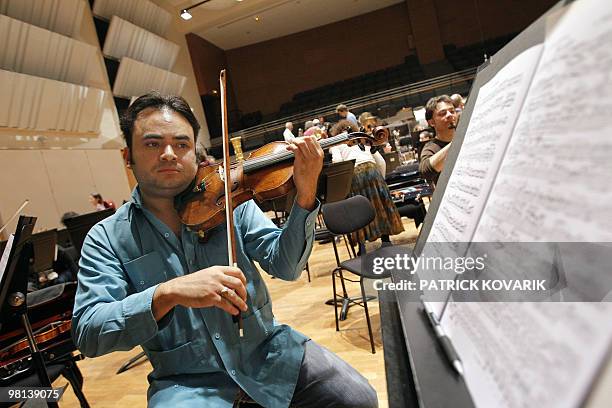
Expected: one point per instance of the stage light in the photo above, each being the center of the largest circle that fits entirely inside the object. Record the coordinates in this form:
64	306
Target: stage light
186	15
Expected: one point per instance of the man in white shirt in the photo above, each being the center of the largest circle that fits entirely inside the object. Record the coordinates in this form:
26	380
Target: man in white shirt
288	134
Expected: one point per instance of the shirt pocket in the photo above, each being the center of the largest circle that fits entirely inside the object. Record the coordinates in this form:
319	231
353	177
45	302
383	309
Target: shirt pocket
188	358
146	271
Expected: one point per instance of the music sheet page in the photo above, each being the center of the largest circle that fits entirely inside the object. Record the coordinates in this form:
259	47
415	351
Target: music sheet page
553	187
529	354
483	147
5	255
554	182
491	124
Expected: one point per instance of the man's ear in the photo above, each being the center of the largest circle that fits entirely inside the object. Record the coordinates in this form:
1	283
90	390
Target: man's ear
430	122
126	156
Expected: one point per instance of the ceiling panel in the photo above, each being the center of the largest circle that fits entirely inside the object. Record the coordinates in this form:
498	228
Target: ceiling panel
231	24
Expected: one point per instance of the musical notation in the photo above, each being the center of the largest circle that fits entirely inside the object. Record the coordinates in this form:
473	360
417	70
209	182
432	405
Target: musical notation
497	105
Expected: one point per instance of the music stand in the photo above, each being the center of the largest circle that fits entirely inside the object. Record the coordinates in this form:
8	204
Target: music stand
79	226
44	247
13	289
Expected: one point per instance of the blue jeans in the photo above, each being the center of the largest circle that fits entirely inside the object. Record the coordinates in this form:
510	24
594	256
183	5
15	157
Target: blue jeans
326	380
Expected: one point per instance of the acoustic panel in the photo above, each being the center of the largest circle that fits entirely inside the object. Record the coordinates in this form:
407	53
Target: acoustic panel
60	16
125	39
109	174
36	51
135	78
143	13
35	103
26	178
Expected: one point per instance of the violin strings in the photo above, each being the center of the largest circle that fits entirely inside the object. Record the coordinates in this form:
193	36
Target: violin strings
275	157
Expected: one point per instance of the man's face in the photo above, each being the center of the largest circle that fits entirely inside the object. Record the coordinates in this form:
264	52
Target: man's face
163	152
343	114
444	117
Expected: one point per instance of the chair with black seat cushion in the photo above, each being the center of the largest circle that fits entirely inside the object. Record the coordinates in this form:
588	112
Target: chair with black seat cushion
334	185
345	217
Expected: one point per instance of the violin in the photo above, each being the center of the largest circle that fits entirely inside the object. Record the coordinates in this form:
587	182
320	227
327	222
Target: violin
44	335
266	174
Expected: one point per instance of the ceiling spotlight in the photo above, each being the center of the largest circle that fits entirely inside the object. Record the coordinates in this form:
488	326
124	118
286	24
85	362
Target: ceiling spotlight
256	18
185	14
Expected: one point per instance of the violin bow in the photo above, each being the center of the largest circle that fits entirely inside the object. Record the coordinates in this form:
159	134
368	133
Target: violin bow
227	180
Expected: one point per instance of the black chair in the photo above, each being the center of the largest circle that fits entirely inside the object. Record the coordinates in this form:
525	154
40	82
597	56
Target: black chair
334	185
345	217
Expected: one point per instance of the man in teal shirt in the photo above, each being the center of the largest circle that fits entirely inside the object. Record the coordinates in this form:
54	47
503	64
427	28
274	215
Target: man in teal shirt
145	279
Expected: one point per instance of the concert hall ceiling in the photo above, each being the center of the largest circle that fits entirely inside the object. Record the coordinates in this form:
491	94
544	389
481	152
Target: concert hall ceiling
231	23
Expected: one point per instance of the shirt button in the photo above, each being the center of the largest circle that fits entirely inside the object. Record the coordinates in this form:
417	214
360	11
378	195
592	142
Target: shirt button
142	282
233	372
166	235
217	336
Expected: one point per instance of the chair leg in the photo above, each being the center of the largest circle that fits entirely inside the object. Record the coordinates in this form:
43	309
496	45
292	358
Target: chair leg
347	248
365	306
335	304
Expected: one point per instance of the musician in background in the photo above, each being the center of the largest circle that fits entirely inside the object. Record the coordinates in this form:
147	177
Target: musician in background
288	133
441	116
100	204
368	182
344	113
458	103
145	279
367	123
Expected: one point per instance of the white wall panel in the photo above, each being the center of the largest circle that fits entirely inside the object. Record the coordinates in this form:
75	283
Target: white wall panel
60	16
109	174
24	176
30	102
125	39
135	78
57	181
143	13
70	179
35	51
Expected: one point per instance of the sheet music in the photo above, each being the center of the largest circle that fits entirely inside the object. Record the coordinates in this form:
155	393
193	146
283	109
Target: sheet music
553	186
491	124
481	152
554	183
529	354
5	255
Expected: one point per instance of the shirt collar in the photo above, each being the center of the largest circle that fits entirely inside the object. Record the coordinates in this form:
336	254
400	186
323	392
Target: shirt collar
136	197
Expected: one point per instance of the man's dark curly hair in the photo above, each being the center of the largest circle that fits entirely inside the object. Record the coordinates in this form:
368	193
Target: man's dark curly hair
158	101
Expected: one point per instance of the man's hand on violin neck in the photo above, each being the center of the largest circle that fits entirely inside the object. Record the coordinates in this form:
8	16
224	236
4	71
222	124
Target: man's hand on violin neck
218	286
306	168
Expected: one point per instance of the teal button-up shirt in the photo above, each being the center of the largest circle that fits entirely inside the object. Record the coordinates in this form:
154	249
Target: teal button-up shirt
197	355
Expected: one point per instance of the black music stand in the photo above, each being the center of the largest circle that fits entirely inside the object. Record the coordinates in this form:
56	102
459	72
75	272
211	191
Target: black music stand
44	245
13	290
79	226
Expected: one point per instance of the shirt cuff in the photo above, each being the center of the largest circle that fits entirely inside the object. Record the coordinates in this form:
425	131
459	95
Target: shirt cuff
138	315
301	216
